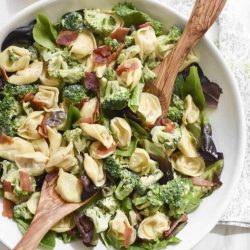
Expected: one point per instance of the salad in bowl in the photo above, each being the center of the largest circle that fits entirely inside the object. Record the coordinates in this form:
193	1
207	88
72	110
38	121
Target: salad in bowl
73	100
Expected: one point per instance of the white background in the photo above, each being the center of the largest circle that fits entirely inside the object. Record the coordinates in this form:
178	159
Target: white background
221	237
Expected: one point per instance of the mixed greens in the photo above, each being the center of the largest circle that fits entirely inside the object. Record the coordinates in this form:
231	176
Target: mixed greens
72	101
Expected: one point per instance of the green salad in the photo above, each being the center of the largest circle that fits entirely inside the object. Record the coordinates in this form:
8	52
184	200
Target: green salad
73	101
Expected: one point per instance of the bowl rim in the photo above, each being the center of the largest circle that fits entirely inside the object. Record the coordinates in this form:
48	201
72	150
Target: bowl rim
242	116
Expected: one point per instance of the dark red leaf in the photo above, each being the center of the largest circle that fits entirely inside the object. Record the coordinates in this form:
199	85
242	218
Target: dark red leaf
101	54
91	82
65	38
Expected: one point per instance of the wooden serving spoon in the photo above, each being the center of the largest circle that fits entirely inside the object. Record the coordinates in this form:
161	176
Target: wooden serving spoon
51	209
203	16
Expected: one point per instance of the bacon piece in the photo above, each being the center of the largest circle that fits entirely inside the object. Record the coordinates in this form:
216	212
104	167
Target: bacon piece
144	25
27	97
115	54
183	218
65	38
5	139
7	186
8	208
101	55
102	150
198	181
119	34
25	182
37	105
169	125
42	129
4	74
91	82
127	235
126	68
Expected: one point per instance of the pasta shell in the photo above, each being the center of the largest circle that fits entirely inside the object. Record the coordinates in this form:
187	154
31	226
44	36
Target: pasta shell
150	108
21	62
191	113
121	131
65	224
153	226
40	145
55	140
94	170
32	203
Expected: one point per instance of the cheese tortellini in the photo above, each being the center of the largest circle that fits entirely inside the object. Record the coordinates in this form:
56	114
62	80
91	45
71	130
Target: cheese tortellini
18	146
88	110
48	96
190	166
99	133
55	140
119	226
83	45
153	226
32	163
191	112
94	170
47	80
14	58
28	75
150	108
69	187
65	224
140	162
187	144
40	145
29	129
98	151
121	131
131	72
146	39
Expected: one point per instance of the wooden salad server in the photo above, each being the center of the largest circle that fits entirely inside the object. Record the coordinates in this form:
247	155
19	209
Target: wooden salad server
202	17
51	208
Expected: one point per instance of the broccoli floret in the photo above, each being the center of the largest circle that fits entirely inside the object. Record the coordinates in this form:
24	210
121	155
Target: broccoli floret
76	137
98	22
151	62
22	212
129	41
33	53
72	21
176	108
148	75
74	94
109	204
99	217
110	74
127	184
169	139
18	121
20	90
18	191
72	74
113	167
115	96
174	34
7	168
113	43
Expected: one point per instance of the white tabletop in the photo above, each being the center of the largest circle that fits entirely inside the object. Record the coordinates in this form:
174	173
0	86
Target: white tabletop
221	237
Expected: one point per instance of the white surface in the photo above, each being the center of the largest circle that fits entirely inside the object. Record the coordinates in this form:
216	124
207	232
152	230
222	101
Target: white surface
10	7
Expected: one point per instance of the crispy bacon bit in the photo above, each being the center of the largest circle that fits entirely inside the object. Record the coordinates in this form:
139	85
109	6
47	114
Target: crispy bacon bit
198	181
25	182
127	235
7	186
4	74
91	82
126	68
115	54
8	208
37	105
101	55
183	218
169	125
28	97
120	33
144	25
65	38
4	139
42	129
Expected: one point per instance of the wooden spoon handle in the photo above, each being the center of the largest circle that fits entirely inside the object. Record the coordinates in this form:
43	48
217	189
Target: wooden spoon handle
203	16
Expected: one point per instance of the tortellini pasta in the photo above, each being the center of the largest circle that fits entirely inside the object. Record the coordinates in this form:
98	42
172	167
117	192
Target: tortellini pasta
150	108
14	58
140	162
32	163
28	75
29	129
94	170
88	110
152	227
98	151
55	140
187	144
47	80
69	187
119	226
131	72
121	131
65	224
40	145
87	63
83	45
191	112
18	146
33	201
190	166
48	96
63	158
100	70
99	133
146	39
128	53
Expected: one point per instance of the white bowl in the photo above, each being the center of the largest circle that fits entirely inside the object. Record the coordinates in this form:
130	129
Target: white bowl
228	121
